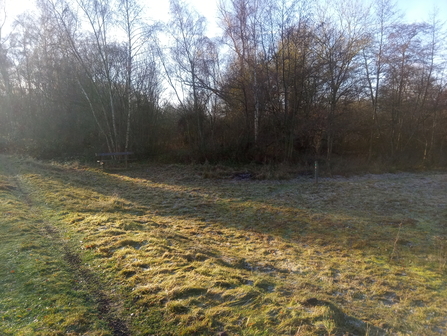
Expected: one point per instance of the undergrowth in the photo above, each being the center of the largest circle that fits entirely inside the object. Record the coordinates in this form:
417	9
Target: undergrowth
179	254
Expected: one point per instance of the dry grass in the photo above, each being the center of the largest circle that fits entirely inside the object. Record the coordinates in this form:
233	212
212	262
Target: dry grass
188	255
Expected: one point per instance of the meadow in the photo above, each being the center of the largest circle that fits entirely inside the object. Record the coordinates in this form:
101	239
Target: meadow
192	250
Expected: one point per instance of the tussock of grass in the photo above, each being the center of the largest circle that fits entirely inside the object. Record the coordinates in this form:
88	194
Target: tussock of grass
189	255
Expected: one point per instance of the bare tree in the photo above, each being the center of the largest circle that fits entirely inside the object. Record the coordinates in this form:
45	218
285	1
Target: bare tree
384	16
109	65
5	65
339	40
287	51
92	55
187	31
433	88
404	57
240	21
130	22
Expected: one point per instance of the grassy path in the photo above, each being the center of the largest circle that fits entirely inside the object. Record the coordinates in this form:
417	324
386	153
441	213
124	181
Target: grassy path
44	287
161	251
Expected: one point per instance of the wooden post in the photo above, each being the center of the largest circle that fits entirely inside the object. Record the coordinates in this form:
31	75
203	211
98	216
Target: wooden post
316	172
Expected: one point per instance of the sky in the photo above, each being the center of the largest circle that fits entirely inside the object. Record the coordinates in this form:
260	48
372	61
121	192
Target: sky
415	10
419	10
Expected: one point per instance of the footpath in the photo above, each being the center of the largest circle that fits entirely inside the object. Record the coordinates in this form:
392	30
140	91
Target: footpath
44	287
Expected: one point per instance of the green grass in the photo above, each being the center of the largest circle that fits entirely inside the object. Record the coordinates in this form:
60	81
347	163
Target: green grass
173	250
40	293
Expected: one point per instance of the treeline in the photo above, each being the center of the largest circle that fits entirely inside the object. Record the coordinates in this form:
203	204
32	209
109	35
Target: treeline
287	81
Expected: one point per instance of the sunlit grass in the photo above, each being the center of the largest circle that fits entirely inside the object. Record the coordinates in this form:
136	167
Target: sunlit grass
188	255
39	292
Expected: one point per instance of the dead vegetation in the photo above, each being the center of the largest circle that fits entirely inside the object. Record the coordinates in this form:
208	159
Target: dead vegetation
198	255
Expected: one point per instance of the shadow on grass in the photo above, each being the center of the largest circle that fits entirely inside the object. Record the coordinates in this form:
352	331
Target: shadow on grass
247	207
250	206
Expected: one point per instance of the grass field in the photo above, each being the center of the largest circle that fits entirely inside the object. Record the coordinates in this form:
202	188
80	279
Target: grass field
173	250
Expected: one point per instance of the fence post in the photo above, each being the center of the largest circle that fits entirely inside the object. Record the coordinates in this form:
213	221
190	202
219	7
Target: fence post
316	172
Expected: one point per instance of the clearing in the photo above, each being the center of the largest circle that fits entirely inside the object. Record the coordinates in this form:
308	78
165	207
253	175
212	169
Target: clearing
161	250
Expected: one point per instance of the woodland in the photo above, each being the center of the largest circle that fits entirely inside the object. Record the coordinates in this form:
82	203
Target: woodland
280	81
